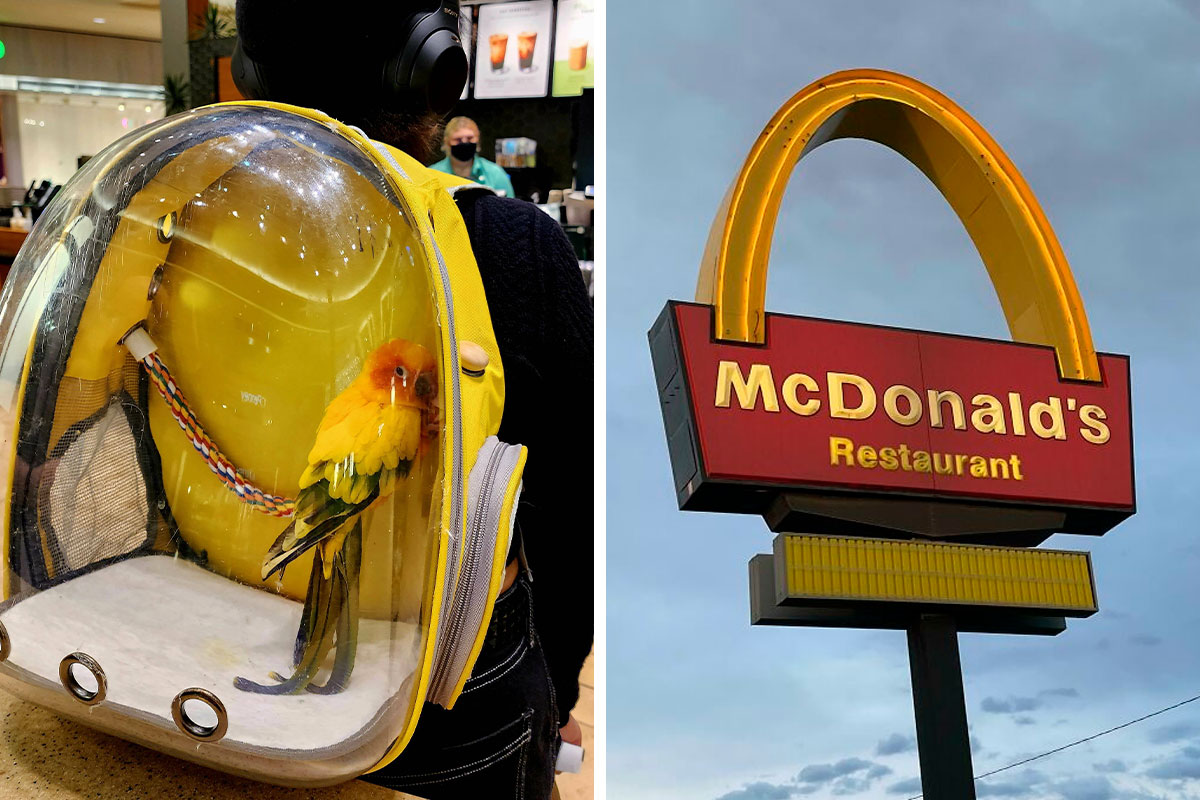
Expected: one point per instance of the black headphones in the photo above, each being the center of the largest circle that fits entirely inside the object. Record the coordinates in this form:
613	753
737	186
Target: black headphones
430	70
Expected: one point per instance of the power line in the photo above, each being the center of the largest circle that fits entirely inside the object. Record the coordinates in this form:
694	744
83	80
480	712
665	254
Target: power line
1081	741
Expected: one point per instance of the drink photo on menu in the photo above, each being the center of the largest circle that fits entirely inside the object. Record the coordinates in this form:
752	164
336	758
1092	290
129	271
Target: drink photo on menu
517	41
574	67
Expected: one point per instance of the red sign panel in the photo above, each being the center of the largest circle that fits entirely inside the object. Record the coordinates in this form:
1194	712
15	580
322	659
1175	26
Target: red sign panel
845	407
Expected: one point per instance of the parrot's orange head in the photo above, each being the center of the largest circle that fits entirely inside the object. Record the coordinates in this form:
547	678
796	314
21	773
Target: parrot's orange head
404	373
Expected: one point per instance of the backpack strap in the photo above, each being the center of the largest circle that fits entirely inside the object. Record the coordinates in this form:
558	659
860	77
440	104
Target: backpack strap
460	190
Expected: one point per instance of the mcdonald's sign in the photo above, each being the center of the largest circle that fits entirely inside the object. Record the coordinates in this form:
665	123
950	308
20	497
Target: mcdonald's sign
843	428
908	475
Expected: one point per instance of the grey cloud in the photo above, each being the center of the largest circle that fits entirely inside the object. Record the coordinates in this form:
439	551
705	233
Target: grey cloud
1172	733
845	777
909	786
850	785
1016	705
761	790
1191	752
1145	639
1025	721
823	773
1093	787
994	705
848	776
896	743
1019	785
1175	768
1001	789
1112	765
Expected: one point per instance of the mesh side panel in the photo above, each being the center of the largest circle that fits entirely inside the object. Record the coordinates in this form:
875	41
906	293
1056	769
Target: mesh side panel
93	505
130	378
79	399
93	499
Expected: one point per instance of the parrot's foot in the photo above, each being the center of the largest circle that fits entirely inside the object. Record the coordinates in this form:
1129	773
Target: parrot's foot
337	682
298	683
328	688
294	685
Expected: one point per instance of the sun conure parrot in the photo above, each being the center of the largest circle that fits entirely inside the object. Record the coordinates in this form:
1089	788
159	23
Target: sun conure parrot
368	439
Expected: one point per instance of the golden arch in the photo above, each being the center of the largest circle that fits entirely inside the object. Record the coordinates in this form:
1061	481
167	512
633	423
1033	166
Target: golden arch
1018	247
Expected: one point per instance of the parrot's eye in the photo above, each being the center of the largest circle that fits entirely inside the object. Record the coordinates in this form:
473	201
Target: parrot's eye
402	374
424	386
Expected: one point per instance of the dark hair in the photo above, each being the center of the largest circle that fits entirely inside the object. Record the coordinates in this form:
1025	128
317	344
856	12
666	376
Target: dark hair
419	135
341	57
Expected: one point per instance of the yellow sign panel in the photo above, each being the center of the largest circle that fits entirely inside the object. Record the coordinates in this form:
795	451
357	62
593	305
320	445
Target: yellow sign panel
824	568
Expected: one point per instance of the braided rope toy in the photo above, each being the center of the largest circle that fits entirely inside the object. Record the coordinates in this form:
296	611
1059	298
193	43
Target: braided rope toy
143	348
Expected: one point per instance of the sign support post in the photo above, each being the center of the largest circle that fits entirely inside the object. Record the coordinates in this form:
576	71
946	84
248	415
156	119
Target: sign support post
943	744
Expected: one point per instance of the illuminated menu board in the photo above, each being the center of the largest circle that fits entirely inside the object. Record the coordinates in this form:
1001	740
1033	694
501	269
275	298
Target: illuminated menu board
574	50
512	55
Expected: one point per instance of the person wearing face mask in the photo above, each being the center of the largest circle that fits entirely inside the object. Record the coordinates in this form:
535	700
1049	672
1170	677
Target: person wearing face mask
460	143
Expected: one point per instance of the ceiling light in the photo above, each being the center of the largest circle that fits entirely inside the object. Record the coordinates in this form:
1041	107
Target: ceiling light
120	106
99	20
148	109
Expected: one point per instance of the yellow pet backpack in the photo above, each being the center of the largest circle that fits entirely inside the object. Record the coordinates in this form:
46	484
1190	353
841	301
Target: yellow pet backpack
255	512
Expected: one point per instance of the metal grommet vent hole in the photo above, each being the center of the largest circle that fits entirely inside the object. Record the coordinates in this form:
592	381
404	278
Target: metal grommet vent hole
166	227
200	714
82	677
5	643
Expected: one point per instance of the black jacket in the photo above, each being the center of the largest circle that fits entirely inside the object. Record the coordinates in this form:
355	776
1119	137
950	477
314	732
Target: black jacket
543	322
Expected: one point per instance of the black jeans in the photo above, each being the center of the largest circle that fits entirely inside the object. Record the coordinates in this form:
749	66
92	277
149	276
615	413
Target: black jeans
501	740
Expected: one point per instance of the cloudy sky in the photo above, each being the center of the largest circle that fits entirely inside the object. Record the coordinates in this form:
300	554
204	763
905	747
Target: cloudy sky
1098	104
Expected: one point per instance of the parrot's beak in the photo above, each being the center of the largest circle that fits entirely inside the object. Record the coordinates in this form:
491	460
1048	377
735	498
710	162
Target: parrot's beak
423	388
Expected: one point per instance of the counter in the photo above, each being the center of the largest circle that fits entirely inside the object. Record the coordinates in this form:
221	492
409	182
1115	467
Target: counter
44	757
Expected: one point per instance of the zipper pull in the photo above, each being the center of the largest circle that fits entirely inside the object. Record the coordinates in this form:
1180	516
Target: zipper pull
524	562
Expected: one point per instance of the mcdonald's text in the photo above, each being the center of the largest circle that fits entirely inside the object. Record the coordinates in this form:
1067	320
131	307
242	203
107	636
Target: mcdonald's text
833	407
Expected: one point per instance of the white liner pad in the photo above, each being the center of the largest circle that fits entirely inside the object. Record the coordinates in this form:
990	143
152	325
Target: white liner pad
158	625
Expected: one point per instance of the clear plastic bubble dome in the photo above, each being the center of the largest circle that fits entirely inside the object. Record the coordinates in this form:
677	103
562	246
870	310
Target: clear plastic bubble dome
222	427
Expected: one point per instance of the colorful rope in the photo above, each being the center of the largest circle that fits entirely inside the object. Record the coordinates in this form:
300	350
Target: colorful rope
247	492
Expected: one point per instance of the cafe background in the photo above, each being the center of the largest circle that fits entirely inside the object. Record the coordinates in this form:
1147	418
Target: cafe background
77	74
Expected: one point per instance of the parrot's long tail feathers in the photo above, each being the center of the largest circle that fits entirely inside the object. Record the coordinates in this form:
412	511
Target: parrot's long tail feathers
327	610
349	562
308	617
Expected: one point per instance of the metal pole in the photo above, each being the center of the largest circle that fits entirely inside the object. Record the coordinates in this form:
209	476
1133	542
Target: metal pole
943	745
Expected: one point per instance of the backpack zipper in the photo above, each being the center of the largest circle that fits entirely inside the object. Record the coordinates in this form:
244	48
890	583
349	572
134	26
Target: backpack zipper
469	581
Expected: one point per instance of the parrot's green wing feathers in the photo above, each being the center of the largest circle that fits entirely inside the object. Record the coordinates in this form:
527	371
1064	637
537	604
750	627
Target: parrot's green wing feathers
318	516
